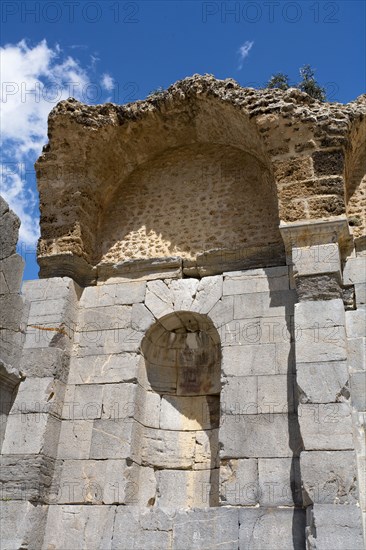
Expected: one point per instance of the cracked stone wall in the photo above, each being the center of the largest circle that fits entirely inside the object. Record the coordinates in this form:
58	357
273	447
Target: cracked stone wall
192	369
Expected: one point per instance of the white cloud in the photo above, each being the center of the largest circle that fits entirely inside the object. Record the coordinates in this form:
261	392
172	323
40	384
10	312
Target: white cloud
244	52
107	82
34	80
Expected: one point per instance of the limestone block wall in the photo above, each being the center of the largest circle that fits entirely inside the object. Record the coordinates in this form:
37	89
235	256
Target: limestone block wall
147	182
114	439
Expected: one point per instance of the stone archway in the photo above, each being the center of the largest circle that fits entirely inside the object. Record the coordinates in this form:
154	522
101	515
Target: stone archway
183	360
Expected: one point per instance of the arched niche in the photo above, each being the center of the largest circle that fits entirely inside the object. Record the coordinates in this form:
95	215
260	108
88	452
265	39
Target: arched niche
356	182
182	355
201	203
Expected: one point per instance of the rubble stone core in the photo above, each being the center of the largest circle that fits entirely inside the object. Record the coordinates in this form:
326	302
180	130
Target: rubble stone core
189	370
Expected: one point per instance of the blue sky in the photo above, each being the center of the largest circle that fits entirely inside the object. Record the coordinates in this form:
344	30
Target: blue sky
120	51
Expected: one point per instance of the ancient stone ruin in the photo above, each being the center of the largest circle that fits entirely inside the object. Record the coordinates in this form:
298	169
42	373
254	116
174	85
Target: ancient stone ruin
189	371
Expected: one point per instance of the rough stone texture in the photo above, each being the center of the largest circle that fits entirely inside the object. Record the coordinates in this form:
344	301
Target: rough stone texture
259	142
337	527
203	387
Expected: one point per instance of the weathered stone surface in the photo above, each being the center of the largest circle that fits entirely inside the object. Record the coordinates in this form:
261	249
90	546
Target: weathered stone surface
48	362
322	382
189	413
321	344
264	304
168	449
31	433
79	527
321	313
9	228
239	482
272	529
356	323
249	360
329	477
334	526
75	439
205	529
358	390
134	529
262	435
96	482
240	395
318	287
326	426
11	273
26	477
356	348
22	525
354	271
279	482
196	488
39	395
114	438
104	369
208	293
271	279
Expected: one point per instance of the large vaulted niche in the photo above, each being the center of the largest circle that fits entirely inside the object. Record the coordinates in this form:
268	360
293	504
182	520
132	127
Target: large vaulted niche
199	188
182	356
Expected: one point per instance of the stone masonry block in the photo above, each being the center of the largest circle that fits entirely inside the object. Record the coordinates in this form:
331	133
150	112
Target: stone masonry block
249	360
271	529
47	362
206	529
356	348
131	532
279	482
329	477
356	323
208	294
83	402
195	488
189	413
168	449
262	435
327	163
316	259
31	433
39	395
337	527
104	369
239	395
271	279
79	527
104	318
114	439
322	382
22	525
239	482
276	393
96	482
75	439
321	344
329	313
355	271
11	270
358	390
264	304
326	426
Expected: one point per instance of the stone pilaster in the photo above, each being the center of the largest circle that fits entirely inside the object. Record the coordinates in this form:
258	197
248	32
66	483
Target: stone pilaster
328	461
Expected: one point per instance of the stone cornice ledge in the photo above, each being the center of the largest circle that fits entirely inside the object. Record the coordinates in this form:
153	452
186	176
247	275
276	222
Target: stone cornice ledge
317	232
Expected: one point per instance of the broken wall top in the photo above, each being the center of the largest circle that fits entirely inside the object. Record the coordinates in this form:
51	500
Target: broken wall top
196	179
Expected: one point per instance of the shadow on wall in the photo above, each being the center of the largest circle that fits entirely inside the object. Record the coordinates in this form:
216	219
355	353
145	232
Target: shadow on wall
294	434
190	200
183	363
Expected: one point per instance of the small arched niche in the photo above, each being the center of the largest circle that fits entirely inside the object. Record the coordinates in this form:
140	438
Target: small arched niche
182	356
